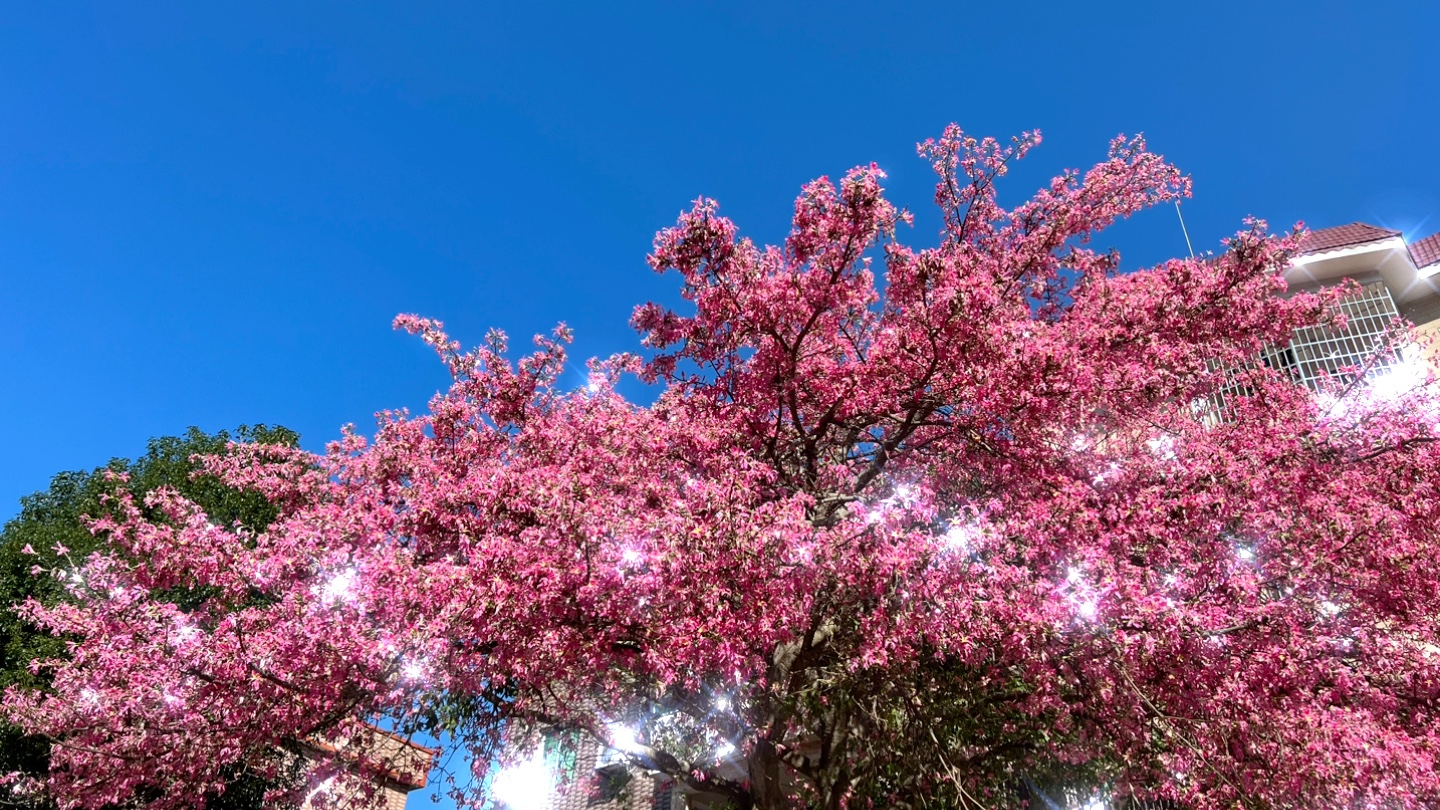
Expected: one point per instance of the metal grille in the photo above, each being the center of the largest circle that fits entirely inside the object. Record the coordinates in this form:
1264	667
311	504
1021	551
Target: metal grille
664	796
1366	342
1321	355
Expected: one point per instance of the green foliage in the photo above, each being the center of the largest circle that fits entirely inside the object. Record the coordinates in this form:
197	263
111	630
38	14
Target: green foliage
57	517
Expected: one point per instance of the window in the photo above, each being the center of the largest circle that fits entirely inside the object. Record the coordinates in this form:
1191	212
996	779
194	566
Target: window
664	796
562	752
608	784
1319	353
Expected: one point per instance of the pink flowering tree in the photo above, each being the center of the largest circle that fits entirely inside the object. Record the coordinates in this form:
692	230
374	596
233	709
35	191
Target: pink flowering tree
903	527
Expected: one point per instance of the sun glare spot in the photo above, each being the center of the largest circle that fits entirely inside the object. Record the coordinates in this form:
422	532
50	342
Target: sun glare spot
1398	381
960	536
339	588
1162	447
623	738
525	785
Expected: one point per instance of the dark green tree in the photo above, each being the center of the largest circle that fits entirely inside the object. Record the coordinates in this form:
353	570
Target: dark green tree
56	517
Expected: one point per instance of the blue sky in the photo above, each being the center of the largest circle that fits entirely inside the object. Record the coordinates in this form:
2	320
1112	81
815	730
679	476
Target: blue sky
209	214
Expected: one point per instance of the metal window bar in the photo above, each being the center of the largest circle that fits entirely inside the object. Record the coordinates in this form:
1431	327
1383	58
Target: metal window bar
664	795
1318	354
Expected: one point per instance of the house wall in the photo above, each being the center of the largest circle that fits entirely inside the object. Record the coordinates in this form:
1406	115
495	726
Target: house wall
392	797
407	765
1429	339
580	788
1425	311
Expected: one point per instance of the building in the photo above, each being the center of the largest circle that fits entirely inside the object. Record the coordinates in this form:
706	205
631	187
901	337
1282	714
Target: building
571	771
1397	279
593	777
397	766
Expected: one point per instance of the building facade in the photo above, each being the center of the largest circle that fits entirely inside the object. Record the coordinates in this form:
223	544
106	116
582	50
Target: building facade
1397	279
392	766
593	777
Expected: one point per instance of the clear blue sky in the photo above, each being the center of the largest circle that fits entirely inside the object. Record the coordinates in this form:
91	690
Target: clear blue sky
209	215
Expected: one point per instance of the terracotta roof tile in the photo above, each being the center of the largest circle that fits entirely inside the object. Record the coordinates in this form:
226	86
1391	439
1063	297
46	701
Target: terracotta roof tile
1425	251
406	740
1343	236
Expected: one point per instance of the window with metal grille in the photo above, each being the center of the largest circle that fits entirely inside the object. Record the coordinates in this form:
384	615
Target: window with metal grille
1318	354
664	797
608	784
1366	342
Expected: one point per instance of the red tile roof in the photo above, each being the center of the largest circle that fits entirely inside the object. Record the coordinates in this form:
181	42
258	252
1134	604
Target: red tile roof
406	740
1343	236
1425	251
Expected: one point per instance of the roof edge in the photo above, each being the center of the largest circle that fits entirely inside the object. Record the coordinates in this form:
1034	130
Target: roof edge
1345	237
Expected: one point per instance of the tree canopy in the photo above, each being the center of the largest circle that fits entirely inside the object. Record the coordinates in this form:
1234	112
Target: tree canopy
904	527
51	533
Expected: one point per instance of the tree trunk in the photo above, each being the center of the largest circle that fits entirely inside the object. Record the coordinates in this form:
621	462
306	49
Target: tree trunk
766	790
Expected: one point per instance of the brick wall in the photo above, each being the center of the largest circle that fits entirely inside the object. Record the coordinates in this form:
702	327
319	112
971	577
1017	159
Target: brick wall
405	765
1430	332
584	787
